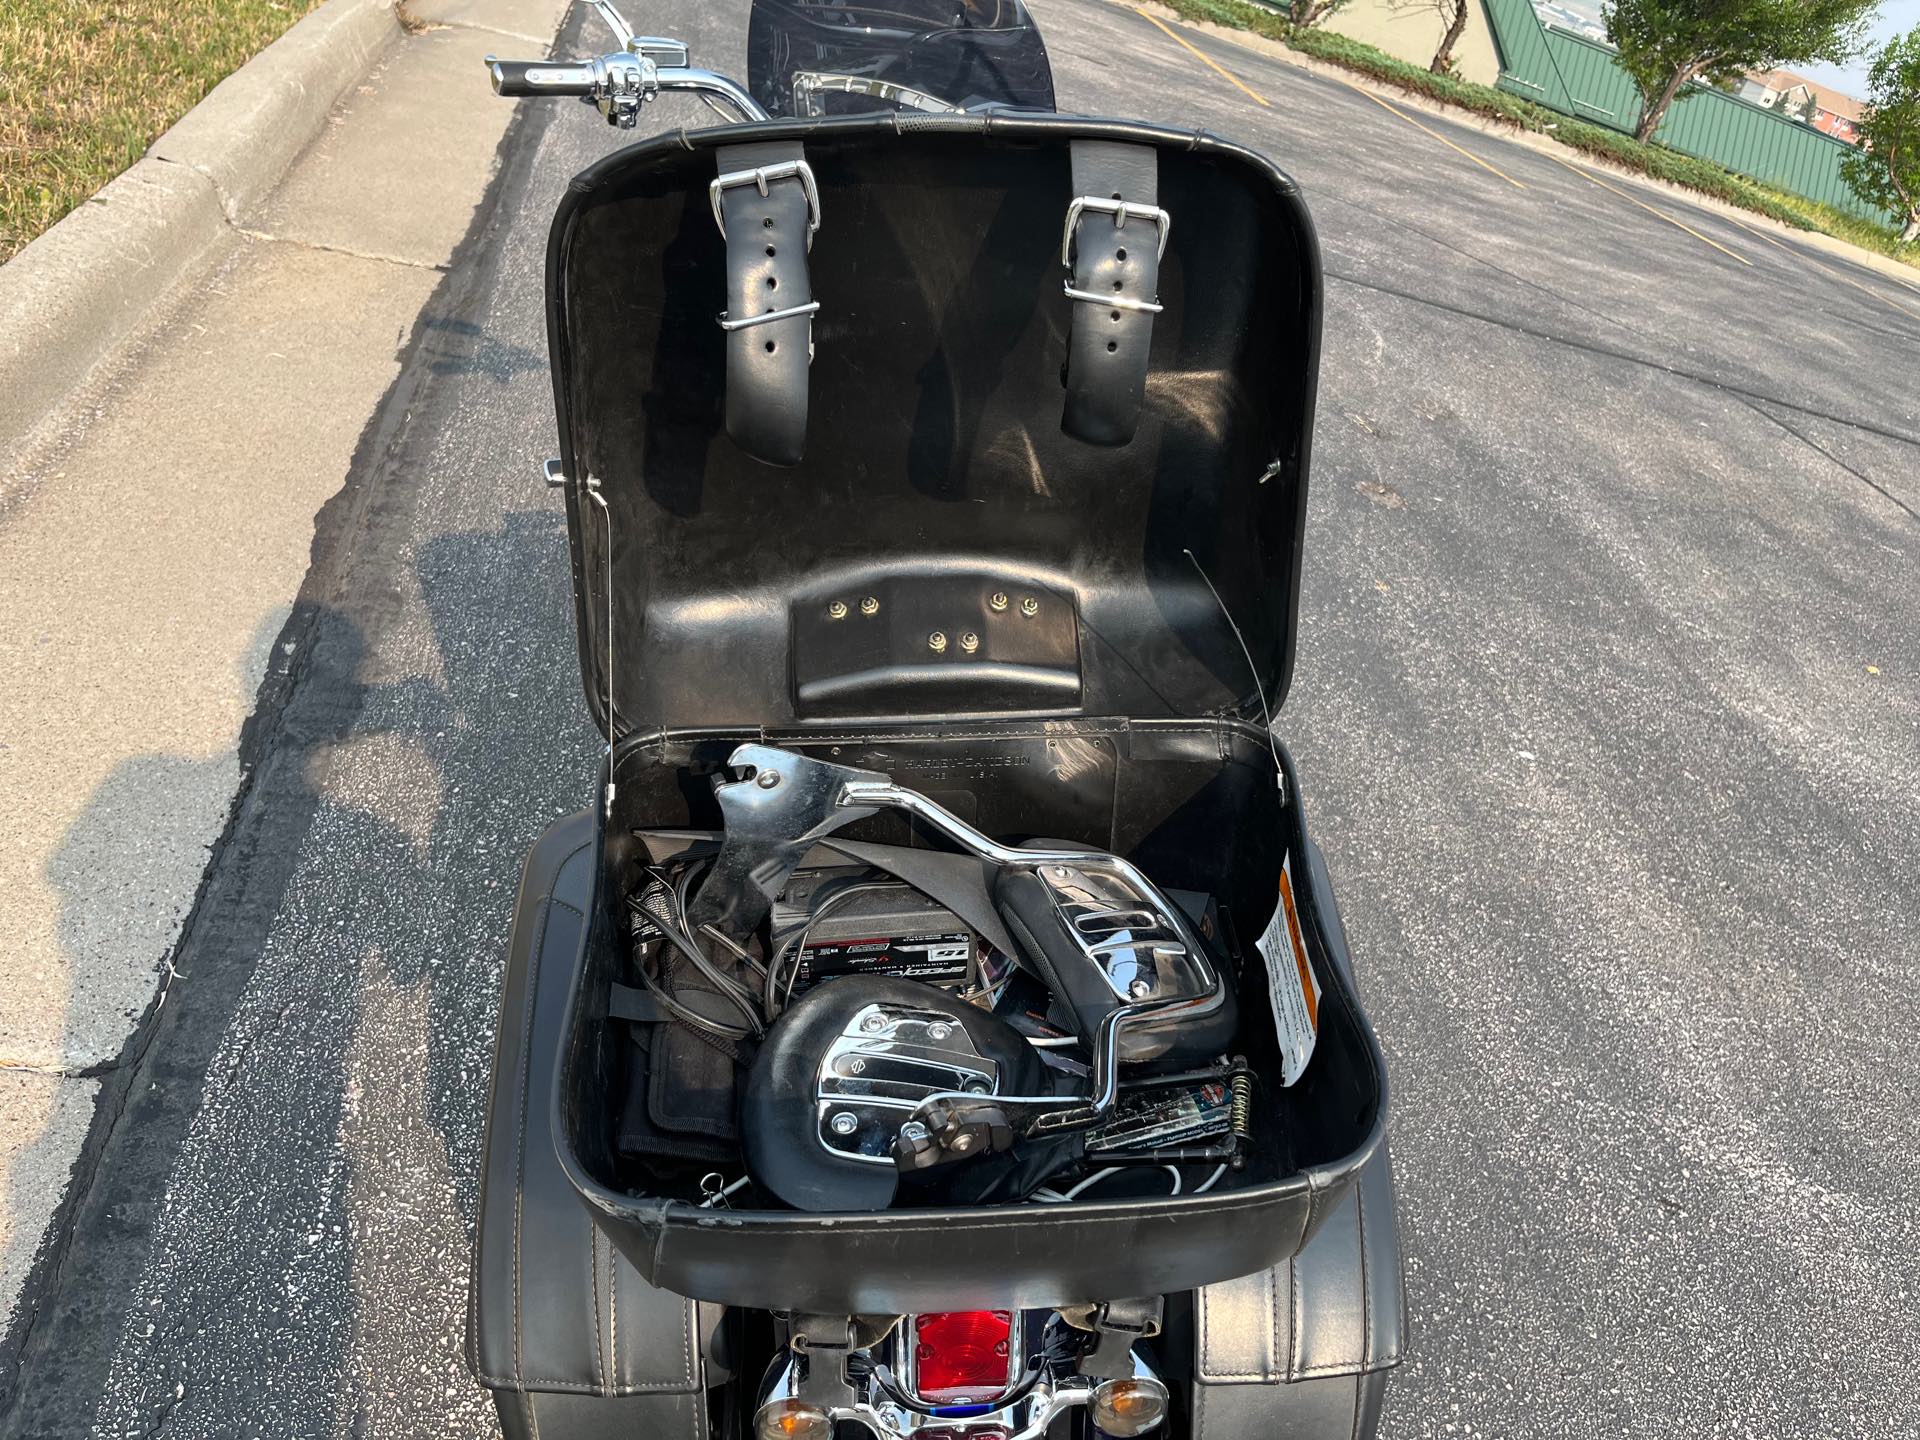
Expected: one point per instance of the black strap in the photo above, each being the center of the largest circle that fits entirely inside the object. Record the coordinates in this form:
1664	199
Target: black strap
766	204
625	1002
1113	267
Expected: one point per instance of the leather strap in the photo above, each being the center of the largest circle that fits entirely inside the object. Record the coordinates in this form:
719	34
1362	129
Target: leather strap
1113	266
765	202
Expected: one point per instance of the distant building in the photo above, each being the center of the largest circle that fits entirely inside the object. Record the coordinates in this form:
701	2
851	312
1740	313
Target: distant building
1833	113
1563	18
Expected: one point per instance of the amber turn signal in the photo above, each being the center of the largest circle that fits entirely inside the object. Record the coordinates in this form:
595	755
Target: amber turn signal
1129	1407
791	1420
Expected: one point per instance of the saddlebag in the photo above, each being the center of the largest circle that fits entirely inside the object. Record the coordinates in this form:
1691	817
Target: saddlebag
569	1338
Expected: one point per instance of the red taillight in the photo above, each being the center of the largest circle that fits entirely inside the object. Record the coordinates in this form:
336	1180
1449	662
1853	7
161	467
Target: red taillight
964	1357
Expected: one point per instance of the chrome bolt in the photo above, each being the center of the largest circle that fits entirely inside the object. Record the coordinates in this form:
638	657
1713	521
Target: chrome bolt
768	779
977	1087
837	610
1029	606
1139	989
1061	872
845	1123
969	642
998	600
939	1031
913	1130
962	1142
870	605
937	641
874	1024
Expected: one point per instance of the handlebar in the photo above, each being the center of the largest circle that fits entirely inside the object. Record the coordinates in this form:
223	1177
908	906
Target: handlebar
518	79
621	83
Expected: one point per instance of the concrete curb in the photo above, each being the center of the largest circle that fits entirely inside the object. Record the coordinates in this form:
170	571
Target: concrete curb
79	292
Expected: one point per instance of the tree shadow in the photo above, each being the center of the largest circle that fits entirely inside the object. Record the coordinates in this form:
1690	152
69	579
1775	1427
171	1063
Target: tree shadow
283	1212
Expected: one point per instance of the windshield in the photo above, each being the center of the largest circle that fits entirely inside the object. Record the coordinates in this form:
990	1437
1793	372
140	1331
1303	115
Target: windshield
827	57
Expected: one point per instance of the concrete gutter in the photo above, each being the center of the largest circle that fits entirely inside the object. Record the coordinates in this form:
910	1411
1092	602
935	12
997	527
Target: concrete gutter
80	292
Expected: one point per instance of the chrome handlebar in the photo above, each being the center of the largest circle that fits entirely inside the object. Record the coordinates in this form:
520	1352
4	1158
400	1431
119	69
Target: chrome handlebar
622	83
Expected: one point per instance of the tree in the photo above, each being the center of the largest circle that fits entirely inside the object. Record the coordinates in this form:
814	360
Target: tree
1308	13
1810	108
1885	169
1666	44
1455	13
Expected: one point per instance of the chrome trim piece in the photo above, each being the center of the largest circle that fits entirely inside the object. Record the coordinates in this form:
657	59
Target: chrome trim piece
885	1061
808	85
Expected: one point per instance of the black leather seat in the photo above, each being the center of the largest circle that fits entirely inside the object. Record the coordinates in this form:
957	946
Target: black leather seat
572	1342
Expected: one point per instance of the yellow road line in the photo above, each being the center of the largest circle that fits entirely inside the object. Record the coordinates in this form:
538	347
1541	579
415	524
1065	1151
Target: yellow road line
1395	110
1826	270
1586	174
1174	36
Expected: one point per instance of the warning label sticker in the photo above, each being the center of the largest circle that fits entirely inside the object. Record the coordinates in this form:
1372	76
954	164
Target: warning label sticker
1291	983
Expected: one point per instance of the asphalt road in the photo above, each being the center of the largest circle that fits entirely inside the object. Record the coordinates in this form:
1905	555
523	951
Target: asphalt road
1607	709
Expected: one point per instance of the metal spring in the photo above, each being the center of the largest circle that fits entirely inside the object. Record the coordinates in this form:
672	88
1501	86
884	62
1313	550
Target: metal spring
1240	1112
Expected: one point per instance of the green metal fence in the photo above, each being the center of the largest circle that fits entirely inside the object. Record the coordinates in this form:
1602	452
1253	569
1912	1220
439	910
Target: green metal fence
1582	78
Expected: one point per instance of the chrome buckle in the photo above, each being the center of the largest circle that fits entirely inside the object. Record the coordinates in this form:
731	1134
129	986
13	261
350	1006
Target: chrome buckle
759	178
1122	211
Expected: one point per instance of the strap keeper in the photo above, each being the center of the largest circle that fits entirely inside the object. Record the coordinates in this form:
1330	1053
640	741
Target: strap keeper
773	315
1114	302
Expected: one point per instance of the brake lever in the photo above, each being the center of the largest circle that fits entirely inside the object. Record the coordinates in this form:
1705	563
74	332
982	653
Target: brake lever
615	21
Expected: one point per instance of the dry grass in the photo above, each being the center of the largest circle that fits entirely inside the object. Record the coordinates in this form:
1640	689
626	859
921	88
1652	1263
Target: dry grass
87	85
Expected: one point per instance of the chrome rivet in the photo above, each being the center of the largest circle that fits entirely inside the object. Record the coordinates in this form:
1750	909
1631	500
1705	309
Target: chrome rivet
997	600
845	1123
1029	606
977	1087
837	610
937	641
939	1030
969	642
873	1024
870	605
962	1142
768	779
1139	989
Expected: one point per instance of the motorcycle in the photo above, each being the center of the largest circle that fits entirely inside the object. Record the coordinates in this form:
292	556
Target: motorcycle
940	1026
